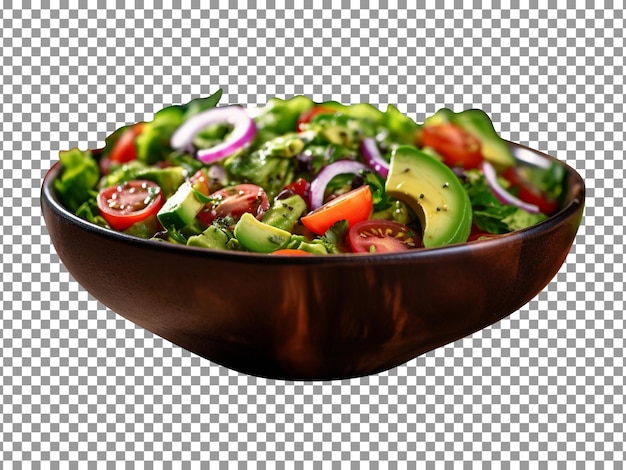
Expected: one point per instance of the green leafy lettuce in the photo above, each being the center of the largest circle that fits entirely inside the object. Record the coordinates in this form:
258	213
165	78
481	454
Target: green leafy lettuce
280	116
489	214
271	173
77	180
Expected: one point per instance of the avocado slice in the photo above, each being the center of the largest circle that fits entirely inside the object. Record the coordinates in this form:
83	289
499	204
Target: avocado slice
479	125
284	213
434	192
180	209
257	236
145	228
213	237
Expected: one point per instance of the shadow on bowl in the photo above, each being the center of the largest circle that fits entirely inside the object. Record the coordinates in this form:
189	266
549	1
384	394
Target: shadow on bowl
319	317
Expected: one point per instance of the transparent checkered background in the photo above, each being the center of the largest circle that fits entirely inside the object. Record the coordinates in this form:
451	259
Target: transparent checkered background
81	384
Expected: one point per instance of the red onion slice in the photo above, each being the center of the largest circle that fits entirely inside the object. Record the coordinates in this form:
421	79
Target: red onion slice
502	194
243	132
373	158
318	185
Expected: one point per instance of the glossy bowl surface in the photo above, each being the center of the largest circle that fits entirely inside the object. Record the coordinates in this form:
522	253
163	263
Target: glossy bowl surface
319	317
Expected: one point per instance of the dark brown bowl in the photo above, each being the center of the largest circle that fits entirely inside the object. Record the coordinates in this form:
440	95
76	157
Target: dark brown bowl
320	317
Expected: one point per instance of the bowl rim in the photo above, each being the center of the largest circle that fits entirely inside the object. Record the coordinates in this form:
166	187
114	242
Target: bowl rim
532	157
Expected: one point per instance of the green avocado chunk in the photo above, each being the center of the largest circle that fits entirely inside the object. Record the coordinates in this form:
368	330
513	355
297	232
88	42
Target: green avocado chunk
434	192
213	237
284	213
259	237
180	210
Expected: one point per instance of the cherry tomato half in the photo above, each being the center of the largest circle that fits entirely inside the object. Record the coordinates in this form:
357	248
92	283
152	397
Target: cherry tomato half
307	116
353	206
128	203
455	145
124	149
527	193
234	201
382	236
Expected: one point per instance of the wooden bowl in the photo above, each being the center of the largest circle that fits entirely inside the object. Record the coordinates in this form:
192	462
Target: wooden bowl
318	317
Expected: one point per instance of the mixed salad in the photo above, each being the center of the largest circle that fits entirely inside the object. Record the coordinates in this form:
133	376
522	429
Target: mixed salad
296	177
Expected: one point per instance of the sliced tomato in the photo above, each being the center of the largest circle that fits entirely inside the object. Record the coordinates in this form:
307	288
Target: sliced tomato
527	193
124	149
307	116
353	206
456	146
291	252
382	236
234	201
128	203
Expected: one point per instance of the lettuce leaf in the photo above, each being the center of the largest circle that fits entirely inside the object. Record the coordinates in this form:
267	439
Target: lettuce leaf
271	173
79	175
489	214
